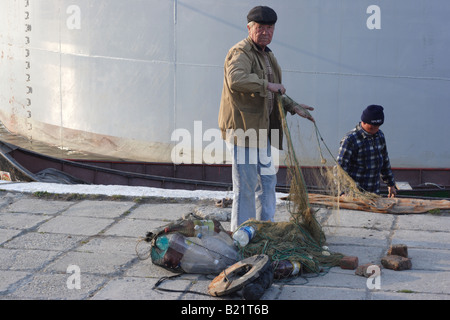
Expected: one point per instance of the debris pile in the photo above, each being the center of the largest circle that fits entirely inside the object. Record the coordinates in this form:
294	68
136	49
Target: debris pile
274	251
247	266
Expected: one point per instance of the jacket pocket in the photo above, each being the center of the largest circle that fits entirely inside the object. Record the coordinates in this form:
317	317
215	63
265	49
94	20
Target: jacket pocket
253	120
252	103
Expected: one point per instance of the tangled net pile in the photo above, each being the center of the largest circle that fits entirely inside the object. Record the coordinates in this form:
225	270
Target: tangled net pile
302	238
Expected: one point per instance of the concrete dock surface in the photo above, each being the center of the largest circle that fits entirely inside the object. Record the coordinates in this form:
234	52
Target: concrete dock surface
84	247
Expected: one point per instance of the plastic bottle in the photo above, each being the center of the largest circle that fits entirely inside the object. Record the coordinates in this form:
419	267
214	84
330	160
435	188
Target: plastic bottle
200	230
285	269
210	226
221	248
207	255
244	235
226	237
169	250
194	227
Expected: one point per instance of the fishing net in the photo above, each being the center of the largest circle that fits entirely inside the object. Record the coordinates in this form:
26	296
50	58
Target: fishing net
301	239
290	241
336	189
332	180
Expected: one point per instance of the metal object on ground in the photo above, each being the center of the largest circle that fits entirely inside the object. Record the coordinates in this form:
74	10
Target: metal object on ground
240	274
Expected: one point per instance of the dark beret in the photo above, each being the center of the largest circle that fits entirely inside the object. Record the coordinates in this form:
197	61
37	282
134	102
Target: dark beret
262	15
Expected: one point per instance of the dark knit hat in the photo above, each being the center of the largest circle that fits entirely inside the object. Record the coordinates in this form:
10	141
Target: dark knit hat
262	15
373	114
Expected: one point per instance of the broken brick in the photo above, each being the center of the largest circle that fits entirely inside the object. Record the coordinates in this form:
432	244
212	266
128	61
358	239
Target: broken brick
398	250
349	262
362	270
396	263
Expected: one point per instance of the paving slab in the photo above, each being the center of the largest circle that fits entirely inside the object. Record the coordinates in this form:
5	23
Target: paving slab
42	240
34	205
8	234
53	286
162	211
75	225
99	209
45	241
130	227
20	221
418	281
25	259
430	259
130	288
422	239
367	237
423	222
320	293
10	277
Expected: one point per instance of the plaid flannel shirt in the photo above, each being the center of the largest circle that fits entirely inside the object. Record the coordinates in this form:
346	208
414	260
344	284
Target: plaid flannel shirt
365	158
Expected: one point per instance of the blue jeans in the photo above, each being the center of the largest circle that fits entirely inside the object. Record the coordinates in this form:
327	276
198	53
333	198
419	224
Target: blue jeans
254	181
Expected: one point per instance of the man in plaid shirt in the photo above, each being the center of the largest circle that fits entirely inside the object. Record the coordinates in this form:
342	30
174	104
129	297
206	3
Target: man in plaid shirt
363	153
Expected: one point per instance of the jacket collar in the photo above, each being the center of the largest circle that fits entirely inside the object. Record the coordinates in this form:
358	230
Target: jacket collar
364	133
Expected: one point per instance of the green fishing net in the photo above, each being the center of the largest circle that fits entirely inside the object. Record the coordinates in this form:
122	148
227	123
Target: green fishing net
301	239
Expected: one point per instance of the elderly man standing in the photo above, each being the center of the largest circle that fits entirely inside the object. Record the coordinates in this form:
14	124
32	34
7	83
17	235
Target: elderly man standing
250	120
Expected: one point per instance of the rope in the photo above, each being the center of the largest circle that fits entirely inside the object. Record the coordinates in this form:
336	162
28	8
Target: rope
141	239
162	279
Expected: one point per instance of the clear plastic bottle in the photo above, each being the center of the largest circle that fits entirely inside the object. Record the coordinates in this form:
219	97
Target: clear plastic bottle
208	255
221	248
244	235
285	269
226	237
201	230
169	250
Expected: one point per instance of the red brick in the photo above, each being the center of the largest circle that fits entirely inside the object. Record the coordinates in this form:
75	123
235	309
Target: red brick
396	263
349	262
398	250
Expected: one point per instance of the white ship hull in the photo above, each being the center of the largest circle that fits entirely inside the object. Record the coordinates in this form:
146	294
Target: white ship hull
122	78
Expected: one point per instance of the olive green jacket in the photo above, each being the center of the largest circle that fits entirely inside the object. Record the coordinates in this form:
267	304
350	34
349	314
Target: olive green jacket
243	107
